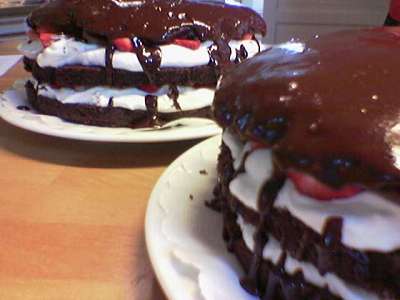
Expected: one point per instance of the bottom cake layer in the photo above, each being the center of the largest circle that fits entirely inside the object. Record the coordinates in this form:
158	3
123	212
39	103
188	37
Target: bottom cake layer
280	276
148	115
286	246
272	282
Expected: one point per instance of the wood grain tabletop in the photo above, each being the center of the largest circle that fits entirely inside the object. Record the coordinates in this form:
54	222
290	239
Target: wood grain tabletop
72	213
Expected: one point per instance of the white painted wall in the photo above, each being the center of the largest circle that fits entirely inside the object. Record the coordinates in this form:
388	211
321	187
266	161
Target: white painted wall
257	5
303	19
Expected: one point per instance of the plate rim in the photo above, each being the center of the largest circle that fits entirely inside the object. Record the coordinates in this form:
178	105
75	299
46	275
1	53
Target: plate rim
152	202
189	133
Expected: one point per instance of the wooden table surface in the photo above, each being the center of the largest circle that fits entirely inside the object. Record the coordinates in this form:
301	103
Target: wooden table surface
72	213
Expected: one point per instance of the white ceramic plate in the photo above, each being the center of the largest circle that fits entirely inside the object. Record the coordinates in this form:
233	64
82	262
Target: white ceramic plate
184	237
191	128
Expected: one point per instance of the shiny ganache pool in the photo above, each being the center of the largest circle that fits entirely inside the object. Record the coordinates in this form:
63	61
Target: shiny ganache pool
329	106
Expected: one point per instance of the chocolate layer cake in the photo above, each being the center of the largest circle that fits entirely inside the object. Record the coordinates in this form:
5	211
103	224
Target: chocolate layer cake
309	171
134	63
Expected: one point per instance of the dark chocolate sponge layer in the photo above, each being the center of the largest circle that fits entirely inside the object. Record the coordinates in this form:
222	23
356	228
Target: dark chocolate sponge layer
374	271
273	282
73	76
105	116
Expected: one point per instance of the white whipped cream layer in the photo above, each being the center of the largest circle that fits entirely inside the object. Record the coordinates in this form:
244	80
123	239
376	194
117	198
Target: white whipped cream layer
69	51
273	251
30	49
370	222
131	98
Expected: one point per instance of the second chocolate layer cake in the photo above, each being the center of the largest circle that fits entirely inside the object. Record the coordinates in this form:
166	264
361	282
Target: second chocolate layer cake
153	46
308	170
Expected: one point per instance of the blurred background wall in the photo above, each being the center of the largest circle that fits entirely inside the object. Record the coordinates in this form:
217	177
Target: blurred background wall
305	18
12	16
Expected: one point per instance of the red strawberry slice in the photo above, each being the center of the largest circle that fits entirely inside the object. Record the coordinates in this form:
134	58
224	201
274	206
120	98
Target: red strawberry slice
149	88
310	186
124	44
257	145
248	36
191	44
46	38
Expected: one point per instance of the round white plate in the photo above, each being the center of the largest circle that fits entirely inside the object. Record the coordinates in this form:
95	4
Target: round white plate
184	237
189	128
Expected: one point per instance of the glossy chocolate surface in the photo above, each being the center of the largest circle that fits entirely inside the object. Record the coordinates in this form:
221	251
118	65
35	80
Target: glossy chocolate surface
153	21
328	106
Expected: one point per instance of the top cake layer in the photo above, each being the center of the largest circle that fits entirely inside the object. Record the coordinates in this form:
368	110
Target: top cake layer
329	106
153	21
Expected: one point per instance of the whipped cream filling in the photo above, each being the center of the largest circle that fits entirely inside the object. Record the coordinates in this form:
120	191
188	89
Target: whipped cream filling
250	183
69	51
30	49
131	98
370	222
273	251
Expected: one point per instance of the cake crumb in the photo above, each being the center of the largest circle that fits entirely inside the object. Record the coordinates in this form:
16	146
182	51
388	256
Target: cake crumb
203	172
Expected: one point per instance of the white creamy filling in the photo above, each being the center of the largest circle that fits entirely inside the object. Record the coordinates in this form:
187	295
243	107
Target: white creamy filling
68	51
248	184
30	49
370	222
273	251
238	150
131	98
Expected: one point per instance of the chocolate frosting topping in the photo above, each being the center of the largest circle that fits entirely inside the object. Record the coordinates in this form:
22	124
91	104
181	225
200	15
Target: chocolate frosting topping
153	21
328	106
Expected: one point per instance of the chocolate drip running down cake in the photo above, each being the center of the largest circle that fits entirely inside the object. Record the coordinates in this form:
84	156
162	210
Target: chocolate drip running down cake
309	172
134	63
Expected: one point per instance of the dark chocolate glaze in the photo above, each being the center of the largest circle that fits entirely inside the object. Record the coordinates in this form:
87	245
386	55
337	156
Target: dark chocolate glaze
333	232
149	58
258	43
108	64
153	21
332	237
241	54
151	106
274	285
169	127
220	53
326	106
266	201
173	93
23	107
111	102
